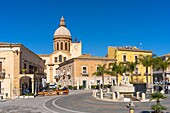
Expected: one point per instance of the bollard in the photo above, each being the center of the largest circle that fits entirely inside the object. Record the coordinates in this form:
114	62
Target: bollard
113	96
95	93
137	95
108	90
101	93
143	96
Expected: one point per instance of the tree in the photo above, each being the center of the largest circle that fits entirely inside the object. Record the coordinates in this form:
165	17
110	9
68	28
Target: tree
116	69
158	107
146	61
101	70
131	68
163	65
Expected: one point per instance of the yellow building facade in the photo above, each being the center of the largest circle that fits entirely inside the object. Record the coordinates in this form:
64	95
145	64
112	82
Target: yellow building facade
131	54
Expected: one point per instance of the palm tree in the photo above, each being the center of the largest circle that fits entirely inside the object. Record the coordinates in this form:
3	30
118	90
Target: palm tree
163	65
101	70
158	107
116	69
146	61
131	68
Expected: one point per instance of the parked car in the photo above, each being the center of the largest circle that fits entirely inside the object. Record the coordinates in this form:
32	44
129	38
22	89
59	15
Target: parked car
52	86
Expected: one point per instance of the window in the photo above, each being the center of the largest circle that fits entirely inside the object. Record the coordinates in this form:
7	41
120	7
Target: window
57	46
25	66
55	59
98	82
60	58
44	61
136	70
0	66
65	59
97	68
136	59
124	58
65	45
61	45
84	70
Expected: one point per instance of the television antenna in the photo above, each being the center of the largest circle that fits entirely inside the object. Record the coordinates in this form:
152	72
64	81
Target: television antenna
140	46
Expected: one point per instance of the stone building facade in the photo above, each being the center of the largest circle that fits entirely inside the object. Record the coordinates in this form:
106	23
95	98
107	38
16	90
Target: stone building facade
79	72
18	66
63	49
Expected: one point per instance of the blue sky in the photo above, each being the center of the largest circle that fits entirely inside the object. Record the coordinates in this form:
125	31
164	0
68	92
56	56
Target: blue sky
97	23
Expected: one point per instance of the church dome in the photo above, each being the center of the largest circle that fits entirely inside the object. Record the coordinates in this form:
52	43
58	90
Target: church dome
62	30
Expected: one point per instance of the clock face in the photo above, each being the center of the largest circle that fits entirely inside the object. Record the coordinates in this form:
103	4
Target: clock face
75	47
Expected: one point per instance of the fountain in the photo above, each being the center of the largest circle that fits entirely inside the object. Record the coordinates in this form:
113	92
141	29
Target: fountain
125	90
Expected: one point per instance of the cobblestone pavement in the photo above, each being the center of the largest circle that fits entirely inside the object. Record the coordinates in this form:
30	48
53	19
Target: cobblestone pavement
29	105
84	103
79	102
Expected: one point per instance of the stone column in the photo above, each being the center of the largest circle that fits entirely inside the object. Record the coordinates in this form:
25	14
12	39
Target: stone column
143	96
32	80
113	96
101	93
137	95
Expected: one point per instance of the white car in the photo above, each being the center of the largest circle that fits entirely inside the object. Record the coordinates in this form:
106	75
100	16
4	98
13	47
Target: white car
52	86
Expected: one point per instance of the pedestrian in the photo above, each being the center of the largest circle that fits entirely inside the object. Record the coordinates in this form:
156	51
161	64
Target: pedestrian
168	89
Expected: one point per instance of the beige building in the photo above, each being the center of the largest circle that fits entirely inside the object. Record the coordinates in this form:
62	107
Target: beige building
63	49
20	69
131	54
79	72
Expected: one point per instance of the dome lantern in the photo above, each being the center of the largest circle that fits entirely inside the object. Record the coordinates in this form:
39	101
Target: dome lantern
62	22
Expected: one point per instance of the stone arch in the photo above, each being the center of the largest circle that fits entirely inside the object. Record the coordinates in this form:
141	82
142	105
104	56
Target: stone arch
25	85
57	46
65	45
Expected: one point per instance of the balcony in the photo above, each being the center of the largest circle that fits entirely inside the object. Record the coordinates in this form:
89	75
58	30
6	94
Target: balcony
56	77
148	74
84	74
136	74
61	74
2	75
68	73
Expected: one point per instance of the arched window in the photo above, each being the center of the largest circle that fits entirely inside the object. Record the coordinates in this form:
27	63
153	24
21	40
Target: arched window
60	58
57	46
69	46
61	45
65	45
